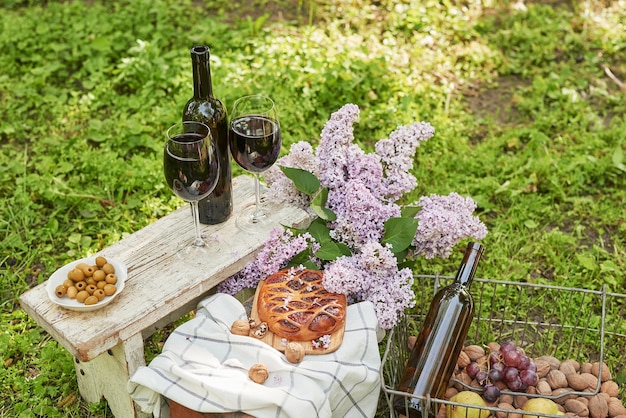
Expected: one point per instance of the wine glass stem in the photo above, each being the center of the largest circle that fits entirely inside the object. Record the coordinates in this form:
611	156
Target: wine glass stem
258	212
198	241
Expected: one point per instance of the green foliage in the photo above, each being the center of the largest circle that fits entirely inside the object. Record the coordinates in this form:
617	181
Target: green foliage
526	103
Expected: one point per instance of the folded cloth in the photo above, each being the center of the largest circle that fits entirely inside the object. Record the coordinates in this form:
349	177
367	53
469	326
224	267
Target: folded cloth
204	367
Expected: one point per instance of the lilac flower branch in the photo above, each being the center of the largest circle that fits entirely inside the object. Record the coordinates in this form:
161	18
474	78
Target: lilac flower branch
363	240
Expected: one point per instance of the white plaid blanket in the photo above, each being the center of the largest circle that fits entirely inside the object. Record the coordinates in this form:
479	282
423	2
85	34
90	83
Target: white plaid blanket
205	368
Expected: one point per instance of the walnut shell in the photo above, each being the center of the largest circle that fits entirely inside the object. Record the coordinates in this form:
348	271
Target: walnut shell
610	387
576	407
543	387
552	361
598	407
567	367
474	352
543	368
606	372
508	407
463	360
258	373
577	381
240	327
616	408
556	379
294	352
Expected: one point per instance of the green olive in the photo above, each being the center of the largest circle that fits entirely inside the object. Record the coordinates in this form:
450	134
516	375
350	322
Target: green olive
91	300
99	293
111	278
72	292
101	261
99	275
110	289
108	268
82	295
76	275
91	288
60	291
81	285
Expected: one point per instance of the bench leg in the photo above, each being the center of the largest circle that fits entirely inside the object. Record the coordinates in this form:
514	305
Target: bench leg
106	377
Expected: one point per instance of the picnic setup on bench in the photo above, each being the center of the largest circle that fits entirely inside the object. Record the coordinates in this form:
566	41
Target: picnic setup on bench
333	321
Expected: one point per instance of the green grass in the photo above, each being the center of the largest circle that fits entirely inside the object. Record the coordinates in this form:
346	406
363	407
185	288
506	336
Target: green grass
526	103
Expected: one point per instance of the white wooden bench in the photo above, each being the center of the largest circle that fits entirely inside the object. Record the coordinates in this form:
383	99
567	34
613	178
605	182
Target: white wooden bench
108	344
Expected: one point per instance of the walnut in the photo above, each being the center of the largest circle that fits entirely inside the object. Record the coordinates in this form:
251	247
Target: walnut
294	352
240	327
543	368
474	352
568	367
543	387
463	360
508	407
606	372
556	379
576	407
577	381
598	407
258	373
616	408
611	388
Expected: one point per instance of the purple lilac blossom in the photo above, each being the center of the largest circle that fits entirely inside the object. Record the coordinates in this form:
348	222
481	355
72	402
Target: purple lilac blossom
360	216
443	222
281	188
277	251
397	153
337	135
372	275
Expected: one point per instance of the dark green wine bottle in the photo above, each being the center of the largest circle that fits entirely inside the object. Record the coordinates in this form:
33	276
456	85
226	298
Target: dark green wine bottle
206	108
440	340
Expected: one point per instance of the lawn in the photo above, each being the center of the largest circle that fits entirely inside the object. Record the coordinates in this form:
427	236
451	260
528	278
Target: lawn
528	102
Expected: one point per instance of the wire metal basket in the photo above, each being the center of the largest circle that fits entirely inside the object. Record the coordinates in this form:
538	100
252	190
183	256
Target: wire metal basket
534	316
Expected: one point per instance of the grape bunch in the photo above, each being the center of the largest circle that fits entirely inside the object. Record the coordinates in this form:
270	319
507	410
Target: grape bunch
508	365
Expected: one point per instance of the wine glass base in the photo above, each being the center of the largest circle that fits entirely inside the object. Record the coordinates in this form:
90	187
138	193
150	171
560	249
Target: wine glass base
250	219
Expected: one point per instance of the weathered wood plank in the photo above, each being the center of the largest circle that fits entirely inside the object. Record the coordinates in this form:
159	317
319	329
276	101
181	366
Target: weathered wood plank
161	283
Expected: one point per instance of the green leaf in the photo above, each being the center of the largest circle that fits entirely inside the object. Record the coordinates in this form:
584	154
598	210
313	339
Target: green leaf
331	250
305	181
409	211
618	158
319	206
399	232
319	230
302	258
587	262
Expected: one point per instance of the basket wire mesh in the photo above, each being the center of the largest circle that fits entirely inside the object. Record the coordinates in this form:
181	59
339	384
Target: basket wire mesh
534	316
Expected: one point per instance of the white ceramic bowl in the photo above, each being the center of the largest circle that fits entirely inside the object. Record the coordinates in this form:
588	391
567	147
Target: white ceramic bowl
59	276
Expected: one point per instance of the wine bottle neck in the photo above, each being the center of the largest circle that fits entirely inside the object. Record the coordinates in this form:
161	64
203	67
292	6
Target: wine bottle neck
469	264
202	86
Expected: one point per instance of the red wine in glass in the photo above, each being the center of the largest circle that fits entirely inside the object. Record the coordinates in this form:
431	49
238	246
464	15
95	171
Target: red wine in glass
191	166
255	141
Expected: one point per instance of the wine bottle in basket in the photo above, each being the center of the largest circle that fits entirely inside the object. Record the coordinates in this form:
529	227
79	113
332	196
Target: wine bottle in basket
439	342
206	108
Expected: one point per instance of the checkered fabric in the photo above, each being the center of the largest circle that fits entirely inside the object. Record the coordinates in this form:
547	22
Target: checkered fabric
204	367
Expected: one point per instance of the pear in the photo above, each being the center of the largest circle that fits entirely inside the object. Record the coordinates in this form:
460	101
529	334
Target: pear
467	397
540	405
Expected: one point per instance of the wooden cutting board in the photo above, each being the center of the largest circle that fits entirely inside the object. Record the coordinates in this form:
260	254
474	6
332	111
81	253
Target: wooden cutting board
336	338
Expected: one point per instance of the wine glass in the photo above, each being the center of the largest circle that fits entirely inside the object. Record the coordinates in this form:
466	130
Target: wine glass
255	140
191	168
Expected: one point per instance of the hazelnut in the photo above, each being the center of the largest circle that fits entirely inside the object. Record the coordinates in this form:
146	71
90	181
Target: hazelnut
258	373
294	352
240	327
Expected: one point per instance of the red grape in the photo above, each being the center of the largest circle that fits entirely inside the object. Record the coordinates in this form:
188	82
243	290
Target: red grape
510	374
472	369
524	362
511	358
528	377
491	393
507	346
495	375
516	384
